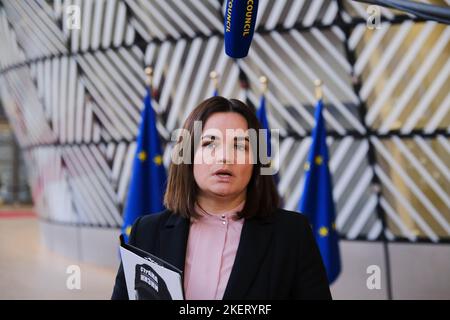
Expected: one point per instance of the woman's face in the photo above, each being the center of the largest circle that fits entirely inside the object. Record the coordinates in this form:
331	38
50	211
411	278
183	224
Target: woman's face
223	159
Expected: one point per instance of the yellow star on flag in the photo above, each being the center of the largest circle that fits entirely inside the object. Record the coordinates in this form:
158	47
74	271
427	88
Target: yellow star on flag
318	160
157	160
323	231
142	156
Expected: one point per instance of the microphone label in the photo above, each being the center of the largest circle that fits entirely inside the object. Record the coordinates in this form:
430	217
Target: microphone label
248	18
229	10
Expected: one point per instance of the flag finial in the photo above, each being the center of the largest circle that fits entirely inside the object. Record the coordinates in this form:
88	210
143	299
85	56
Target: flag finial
264	82
149	74
318	85
215	79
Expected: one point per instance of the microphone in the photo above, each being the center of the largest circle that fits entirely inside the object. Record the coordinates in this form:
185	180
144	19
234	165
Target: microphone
239	25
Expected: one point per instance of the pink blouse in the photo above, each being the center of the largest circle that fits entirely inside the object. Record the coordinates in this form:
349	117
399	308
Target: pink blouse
211	249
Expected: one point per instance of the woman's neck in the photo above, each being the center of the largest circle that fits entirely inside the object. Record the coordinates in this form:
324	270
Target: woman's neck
217	205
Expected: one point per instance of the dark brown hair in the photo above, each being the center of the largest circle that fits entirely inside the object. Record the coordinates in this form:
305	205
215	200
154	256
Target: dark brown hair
181	193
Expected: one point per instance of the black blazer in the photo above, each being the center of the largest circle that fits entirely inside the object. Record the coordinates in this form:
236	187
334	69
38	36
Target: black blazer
277	257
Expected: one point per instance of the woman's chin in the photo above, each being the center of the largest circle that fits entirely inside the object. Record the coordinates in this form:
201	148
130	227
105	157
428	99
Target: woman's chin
221	191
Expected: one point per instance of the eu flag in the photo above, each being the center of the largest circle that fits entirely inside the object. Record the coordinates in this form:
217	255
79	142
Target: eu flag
148	178
317	199
262	117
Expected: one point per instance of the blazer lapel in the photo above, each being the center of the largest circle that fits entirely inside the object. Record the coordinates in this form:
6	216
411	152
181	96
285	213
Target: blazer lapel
255	238
173	241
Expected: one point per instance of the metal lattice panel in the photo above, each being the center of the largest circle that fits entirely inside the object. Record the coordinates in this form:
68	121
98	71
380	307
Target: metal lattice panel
37	30
14	55
292	61
394	102
103	24
419	190
162	19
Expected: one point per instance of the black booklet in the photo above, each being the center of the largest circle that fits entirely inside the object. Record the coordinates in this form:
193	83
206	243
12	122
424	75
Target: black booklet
149	277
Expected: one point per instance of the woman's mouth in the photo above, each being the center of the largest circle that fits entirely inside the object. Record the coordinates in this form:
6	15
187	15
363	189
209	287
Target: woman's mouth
223	175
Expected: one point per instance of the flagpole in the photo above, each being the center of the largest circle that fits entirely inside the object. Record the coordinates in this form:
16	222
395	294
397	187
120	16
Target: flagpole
318	86
149	84
149	76
214	76
264	84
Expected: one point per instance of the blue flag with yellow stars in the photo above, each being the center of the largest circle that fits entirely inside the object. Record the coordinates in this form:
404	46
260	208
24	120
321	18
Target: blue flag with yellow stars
262	117
317	199
148	177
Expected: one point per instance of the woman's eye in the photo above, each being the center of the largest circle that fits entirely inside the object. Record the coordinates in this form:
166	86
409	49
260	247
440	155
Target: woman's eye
208	144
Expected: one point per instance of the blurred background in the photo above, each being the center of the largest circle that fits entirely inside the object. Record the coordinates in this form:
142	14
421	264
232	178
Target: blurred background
71	88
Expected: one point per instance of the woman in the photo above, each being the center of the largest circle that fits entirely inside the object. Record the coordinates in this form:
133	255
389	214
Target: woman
222	225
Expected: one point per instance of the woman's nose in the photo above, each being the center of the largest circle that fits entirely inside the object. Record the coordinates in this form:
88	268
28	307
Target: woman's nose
224	155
